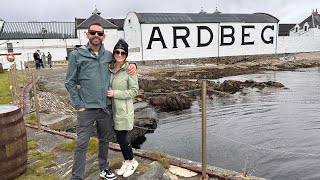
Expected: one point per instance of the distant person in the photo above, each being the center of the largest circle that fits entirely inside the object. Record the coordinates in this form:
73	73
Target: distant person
49	59
42	60
36	56
87	81
123	88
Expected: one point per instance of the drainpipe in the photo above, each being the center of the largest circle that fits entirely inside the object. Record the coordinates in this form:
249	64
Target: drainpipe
141	41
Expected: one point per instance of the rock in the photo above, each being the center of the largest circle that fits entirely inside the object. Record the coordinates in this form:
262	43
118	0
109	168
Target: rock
172	102
58	122
169	176
230	86
181	172
155	172
275	84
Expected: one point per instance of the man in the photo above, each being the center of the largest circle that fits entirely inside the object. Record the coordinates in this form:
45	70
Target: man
87	81
36	56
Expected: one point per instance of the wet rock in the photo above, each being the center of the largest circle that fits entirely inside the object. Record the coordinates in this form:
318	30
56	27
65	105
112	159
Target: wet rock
58	122
172	102
275	84
230	86
155	172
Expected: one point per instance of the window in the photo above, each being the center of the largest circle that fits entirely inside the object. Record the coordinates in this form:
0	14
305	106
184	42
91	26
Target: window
296	29
305	28
10	47
129	21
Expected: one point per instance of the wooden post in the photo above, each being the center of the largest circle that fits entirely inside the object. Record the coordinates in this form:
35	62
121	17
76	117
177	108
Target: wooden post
13	84
36	101
16	81
22	73
10	85
204	130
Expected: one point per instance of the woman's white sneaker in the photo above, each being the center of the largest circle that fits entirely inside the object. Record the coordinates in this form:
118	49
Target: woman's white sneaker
120	171
130	169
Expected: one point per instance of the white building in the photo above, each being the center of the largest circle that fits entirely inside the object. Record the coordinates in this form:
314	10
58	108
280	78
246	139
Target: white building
164	36
58	38
159	36
308	27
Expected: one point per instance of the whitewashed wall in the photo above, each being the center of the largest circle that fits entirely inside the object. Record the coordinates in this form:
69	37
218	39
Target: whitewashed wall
157	52
287	44
259	47
132	35
57	47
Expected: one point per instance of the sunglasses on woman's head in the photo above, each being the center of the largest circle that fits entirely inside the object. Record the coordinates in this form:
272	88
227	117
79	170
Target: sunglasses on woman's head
92	32
122	53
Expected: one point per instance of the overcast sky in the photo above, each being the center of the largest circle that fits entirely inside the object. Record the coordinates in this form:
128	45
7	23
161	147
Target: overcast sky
287	11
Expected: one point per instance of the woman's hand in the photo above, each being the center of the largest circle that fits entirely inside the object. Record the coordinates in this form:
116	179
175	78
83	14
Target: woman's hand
110	93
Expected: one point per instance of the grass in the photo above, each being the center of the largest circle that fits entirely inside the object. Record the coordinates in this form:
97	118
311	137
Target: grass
32	144
116	163
71	145
94	169
162	159
38	168
39	155
32	119
5	94
142	169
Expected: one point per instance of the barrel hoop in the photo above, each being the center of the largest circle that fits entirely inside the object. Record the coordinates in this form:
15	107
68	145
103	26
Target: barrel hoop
5	160
2	126
13	139
7	171
10	113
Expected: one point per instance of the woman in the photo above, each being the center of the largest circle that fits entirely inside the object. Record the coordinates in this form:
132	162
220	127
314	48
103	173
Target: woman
123	88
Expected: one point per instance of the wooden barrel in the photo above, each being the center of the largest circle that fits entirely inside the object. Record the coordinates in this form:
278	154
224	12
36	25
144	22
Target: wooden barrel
13	142
1	68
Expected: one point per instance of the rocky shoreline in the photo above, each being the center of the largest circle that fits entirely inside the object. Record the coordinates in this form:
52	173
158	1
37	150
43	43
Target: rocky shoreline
170	87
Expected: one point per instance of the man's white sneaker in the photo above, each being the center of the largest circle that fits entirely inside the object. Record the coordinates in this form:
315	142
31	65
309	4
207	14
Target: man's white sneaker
107	174
130	169
120	171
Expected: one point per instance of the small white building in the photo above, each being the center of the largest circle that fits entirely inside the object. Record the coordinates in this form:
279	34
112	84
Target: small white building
58	38
160	36
308	27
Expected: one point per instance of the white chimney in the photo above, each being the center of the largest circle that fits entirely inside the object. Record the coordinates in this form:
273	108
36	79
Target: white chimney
1	23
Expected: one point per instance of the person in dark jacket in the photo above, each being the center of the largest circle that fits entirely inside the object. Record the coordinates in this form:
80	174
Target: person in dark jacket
36	56
49	59
87	81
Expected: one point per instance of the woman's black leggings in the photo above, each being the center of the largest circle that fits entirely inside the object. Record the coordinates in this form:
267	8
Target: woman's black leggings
125	146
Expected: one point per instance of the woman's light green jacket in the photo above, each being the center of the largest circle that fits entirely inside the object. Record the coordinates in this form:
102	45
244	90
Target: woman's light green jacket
125	88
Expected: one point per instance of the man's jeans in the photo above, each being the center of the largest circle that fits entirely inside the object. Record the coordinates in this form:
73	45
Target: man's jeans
86	120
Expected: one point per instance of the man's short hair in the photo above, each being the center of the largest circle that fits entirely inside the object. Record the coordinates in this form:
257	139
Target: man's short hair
96	24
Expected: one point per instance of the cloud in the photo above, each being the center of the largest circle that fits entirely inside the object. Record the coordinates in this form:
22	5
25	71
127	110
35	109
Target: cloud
292	11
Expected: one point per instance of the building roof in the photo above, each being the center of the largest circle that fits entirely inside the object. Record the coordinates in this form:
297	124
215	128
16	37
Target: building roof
95	18
313	20
284	29
38	30
164	18
118	22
